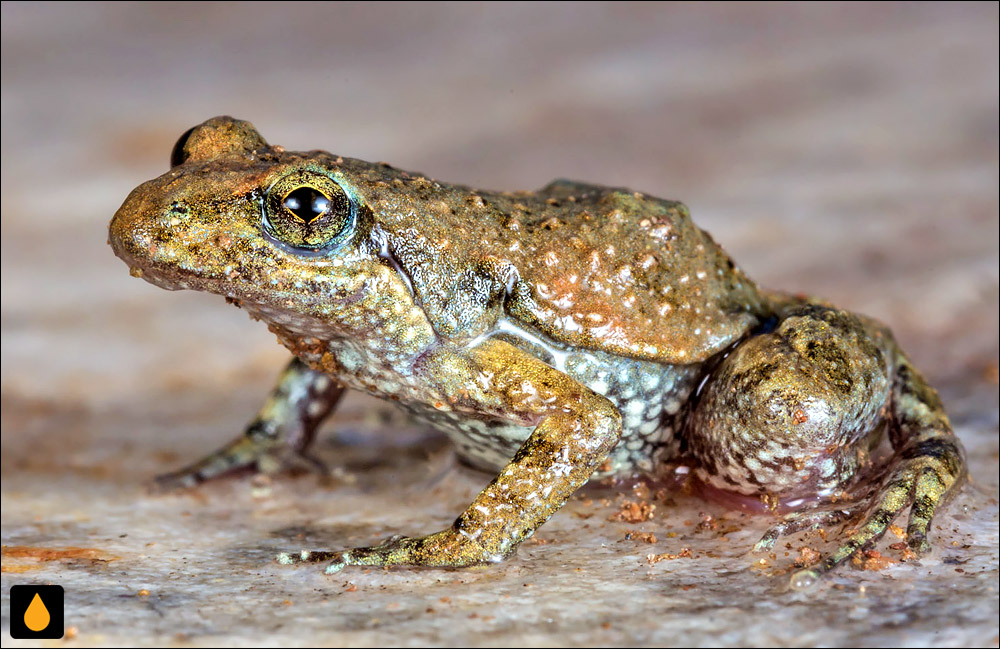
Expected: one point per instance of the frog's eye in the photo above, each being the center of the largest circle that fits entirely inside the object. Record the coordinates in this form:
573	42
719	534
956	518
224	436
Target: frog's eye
177	155
307	209
307	203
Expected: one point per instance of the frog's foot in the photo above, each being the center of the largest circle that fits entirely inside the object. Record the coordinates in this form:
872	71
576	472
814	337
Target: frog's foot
806	520
277	438
924	476
244	452
446	549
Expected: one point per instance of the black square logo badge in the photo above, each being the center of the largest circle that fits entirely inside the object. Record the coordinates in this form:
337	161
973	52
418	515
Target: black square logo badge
36	612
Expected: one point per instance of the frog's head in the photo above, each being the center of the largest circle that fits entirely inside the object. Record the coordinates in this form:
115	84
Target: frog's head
284	234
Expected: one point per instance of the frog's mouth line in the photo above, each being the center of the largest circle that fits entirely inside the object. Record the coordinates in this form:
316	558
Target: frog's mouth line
304	319
241	293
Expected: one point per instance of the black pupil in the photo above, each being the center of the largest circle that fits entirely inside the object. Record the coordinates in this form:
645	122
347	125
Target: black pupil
307	203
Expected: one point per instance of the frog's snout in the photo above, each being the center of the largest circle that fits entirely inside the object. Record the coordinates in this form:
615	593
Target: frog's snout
137	238
125	234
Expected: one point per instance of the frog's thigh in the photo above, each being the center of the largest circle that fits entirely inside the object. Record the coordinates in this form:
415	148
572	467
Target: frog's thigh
793	412
575	430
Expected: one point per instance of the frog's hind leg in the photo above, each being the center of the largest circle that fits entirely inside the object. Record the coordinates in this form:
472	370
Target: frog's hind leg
280	433
796	413
927	467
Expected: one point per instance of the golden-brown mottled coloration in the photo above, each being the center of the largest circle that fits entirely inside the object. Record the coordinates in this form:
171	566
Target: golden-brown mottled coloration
554	335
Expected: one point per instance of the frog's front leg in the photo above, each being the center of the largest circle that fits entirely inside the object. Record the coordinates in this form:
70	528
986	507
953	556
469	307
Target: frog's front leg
797	412
280	433
575	430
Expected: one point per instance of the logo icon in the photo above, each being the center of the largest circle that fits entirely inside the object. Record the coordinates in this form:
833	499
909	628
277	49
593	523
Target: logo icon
36	612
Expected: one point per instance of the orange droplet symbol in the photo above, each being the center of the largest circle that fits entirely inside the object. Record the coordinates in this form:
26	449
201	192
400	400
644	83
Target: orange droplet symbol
37	616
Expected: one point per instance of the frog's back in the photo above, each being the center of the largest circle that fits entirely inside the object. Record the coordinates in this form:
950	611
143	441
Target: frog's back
587	266
639	278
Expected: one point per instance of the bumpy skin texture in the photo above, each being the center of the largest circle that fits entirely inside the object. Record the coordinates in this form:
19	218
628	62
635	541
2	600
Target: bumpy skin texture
554	335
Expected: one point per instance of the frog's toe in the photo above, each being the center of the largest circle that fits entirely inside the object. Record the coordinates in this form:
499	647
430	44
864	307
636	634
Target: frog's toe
929	490
337	560
805	520
174	481
896	496
384	554
306	556
334	567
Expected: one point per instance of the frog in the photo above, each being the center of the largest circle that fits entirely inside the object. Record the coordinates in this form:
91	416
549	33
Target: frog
556	337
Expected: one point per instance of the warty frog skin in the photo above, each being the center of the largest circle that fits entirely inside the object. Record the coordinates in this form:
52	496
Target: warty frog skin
556	335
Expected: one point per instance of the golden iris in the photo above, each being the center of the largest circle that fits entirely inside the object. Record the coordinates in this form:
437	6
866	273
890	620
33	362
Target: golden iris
308	209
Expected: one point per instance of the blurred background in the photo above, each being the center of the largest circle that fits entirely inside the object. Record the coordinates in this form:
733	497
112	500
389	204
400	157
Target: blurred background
843	150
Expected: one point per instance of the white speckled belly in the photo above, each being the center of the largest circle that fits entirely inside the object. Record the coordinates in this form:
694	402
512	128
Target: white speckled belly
648	395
